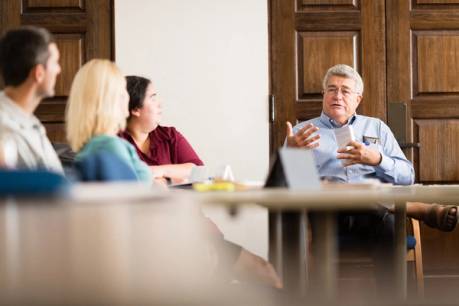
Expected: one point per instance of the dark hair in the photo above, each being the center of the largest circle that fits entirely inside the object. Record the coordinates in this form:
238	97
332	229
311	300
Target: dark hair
136	87
21	50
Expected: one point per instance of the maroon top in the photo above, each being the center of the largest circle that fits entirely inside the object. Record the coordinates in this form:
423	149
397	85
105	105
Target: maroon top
167	146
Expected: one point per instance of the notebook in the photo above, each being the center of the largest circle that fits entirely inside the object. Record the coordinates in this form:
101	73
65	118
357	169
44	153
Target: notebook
198	174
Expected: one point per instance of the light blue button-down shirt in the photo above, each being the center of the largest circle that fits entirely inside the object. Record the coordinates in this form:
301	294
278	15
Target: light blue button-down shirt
394	167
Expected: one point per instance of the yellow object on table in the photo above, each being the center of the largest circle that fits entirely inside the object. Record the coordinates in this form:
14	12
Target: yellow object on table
214	186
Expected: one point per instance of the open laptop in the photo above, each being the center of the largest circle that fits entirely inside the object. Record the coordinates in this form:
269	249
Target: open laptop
293	168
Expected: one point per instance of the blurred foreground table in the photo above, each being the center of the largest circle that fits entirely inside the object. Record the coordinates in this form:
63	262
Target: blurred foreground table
103	244
288	226
127	244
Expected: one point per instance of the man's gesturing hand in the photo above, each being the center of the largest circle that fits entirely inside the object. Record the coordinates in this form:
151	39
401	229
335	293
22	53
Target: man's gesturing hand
303	138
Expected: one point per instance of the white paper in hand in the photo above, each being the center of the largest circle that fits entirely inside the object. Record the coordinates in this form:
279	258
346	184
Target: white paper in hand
344	136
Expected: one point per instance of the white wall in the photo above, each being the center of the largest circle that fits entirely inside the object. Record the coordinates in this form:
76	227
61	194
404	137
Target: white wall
209	62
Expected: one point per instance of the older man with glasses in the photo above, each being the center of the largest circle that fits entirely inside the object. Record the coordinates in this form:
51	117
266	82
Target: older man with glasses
376	154
373	153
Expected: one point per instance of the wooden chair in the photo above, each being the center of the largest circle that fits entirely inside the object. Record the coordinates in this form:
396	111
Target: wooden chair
356	260
415	255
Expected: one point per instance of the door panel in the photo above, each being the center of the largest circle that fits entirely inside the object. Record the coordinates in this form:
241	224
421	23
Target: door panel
56	131
72	58
423	64
436	54
329	32
417	2
407	51
340	48
302	4
82	29
440	158
53	4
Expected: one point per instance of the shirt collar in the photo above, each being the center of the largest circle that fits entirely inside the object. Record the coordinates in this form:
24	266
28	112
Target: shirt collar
330	123
23	119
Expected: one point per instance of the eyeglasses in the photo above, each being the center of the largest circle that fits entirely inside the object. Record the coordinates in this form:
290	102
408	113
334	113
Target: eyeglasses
346	92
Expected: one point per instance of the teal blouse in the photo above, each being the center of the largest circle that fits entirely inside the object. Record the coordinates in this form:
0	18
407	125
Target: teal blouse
120	148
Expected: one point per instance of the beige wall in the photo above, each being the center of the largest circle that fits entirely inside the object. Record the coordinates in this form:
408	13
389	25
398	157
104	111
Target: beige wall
209	61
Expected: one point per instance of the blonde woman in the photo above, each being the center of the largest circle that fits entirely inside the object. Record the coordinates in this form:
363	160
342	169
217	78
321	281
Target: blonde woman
96	111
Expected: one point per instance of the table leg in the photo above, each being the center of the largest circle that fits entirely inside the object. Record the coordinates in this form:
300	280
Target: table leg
275	240
324	253
400	272
287	250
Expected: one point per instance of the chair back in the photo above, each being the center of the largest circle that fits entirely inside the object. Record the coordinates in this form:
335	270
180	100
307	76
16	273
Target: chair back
32	183
104	166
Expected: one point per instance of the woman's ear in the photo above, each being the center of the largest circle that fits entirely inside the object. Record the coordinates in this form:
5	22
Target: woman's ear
135	112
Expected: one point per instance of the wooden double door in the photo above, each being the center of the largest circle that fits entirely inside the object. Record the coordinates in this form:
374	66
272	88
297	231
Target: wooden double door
83	29
407	52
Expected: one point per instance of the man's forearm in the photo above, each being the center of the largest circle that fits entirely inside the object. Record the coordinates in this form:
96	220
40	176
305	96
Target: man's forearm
395	170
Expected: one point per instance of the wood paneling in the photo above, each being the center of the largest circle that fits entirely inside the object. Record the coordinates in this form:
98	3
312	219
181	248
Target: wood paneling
10	15
306	42
100	31
423	61
423	64
420	5
439	255
51	110
64	22
327	4
339	47
282	67
305	111
56	132
440	142
72	57
373	63
399	59
439	19
83	30
406	51
443	107
437	1
436	54
54	4
328	21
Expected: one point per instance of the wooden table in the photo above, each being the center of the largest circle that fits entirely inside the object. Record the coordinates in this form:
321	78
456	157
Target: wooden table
111	244
288	226
101	245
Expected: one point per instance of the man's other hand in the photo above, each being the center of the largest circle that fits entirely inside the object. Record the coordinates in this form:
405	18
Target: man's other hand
359	153
303	138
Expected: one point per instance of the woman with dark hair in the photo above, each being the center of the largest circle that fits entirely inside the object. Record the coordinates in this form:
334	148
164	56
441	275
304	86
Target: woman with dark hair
164	149
169	155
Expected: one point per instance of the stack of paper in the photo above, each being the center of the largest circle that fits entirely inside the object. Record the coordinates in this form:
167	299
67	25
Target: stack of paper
344	136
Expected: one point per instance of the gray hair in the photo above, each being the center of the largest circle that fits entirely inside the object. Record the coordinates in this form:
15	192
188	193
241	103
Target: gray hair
346	72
